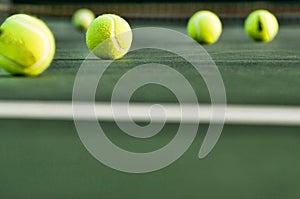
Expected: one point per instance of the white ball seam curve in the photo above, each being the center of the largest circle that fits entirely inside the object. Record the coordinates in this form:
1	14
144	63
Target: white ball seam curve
114	37
197	26
46	45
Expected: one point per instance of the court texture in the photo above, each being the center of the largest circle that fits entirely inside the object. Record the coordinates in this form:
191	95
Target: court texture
256	156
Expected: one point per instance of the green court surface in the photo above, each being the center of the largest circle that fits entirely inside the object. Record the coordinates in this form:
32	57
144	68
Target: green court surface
46	159
253	73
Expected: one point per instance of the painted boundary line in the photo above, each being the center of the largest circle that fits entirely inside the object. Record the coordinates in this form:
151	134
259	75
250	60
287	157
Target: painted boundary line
235	114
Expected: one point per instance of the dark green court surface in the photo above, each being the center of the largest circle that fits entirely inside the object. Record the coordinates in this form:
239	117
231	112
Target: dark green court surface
253	73
46	159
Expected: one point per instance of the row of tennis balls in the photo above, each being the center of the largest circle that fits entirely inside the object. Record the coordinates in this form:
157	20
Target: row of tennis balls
205	26
27	45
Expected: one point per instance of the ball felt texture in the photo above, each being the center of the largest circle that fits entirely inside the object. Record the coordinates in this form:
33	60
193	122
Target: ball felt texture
82	18
261	25
205	27
27	45
109	37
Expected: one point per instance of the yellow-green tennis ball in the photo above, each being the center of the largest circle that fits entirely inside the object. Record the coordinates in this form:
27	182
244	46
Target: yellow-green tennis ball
109	37
27	45
205	27
82	18
261	25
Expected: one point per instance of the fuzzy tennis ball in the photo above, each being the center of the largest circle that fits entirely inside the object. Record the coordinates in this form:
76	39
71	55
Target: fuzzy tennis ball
27	45
261	25
82	18
205	27
109	37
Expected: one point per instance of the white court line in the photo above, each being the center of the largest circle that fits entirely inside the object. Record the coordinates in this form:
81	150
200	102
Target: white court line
235	114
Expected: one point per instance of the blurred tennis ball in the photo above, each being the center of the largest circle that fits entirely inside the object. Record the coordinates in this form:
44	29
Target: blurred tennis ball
205	27
82	18
261	25
109	36
27	45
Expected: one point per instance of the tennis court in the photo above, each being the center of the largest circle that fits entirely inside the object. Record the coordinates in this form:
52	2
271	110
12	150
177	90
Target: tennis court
256	156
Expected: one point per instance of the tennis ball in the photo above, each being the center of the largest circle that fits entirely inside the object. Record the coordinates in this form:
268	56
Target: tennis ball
27	46
261	25
109	37
205	27
82	18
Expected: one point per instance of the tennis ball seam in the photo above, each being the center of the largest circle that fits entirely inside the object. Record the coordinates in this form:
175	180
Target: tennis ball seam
197	26
43	36
204	27
109	37
27	45
261	26
11	61
114	36
46	48
9	43
209	39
